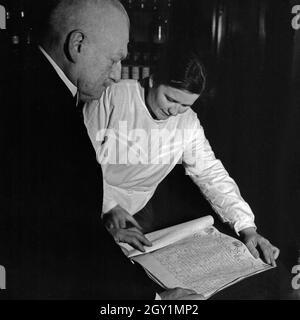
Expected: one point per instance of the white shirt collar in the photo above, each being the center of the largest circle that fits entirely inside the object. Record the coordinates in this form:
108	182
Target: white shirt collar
61	74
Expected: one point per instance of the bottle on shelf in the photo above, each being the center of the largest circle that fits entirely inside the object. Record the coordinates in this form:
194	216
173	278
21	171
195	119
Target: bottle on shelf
142	4
19	29
135	69
154	5
13	28
125	73
146	65
15	18
161	21
146	5
159	30
138	5
129	4
26	32
28	39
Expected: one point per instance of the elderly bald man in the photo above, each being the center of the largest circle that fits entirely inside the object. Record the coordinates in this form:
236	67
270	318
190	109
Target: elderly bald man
55	244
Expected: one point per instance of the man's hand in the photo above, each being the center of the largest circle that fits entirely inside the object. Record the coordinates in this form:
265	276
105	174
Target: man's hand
117	218
180	294
255	241
132	236
115	222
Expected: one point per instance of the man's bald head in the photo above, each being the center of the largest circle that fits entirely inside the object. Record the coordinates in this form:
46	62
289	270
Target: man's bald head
62	16
87	39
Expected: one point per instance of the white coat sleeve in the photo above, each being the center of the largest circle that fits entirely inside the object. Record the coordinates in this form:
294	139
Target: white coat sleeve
217	186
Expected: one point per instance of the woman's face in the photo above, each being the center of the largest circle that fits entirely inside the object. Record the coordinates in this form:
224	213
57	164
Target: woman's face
166	101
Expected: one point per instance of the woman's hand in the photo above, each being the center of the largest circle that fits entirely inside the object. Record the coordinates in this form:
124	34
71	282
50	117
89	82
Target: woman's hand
255	242
117	218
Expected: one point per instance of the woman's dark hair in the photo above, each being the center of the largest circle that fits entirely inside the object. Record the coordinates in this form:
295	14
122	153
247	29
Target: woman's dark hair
181	69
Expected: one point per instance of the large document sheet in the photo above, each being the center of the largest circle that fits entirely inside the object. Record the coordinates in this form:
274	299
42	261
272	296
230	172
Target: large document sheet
197	256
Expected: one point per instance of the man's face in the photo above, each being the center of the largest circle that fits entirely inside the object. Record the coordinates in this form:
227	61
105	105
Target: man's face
166	101
100	62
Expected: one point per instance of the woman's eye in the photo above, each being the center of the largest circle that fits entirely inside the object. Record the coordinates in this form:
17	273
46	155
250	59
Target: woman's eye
170	99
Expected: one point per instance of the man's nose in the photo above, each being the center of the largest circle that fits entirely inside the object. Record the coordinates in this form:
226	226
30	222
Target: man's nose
115	74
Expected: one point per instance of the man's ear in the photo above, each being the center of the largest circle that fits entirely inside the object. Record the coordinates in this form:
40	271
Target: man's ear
73	45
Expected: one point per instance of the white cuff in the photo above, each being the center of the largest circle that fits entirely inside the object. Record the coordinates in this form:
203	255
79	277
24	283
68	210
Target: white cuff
108	205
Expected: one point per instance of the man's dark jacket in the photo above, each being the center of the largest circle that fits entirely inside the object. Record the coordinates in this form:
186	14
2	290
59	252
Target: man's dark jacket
53	244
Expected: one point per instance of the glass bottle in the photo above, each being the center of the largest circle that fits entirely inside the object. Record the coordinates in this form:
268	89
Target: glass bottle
128	4
160	25
143	4
155	5
16	24
146	65
147	5
125	73
135	71
159	30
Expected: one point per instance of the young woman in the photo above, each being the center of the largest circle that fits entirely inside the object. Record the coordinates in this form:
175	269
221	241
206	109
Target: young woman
141	130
